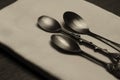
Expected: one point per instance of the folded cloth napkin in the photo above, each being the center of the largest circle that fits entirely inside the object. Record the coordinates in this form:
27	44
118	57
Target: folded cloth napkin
18	31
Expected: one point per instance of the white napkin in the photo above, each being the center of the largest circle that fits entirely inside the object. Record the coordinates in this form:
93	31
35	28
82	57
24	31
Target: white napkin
18	31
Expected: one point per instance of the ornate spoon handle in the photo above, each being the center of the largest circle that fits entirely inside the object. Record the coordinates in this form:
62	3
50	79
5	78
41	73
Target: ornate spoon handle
114	45
114	57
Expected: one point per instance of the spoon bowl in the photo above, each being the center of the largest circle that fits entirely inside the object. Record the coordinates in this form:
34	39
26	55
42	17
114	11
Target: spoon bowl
48	24
65	43
75	22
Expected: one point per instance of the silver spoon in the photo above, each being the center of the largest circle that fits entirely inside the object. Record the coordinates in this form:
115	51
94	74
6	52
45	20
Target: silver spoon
49	24
69	44
78	25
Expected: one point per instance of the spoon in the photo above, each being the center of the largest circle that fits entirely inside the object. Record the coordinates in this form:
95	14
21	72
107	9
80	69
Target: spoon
49	24
78	25
69	44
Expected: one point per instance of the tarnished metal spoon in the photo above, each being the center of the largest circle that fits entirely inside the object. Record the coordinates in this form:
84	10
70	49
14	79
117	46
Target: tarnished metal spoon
78	25
69	44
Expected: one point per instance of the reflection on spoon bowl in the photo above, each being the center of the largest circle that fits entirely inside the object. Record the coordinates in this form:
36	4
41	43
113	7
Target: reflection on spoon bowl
48	24
66	43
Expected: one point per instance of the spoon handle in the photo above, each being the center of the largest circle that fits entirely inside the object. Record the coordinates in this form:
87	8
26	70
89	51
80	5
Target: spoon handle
114	69
93	59
106	41
114	57
93	46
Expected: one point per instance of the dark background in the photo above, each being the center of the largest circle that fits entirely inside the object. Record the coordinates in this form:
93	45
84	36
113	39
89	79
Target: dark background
112	6
4	3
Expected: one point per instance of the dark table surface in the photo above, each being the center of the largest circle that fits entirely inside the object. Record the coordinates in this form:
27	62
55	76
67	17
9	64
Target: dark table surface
14	67
11	69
